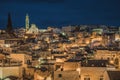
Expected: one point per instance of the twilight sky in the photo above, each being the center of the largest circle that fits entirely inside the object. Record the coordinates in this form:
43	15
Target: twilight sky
60	12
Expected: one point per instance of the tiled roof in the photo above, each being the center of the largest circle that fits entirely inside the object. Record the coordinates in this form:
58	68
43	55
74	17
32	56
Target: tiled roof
114	75
11	78
94	63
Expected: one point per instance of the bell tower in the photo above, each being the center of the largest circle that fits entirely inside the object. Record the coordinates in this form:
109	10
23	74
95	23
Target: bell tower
9	29
27	22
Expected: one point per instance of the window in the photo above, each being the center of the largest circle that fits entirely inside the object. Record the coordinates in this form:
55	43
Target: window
108	58
57	67
59	75
28	62
87	77
101	77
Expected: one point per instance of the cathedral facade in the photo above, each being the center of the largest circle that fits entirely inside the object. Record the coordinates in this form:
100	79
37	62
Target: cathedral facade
33	29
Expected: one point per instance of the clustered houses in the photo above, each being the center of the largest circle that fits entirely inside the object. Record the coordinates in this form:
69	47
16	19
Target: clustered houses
71	53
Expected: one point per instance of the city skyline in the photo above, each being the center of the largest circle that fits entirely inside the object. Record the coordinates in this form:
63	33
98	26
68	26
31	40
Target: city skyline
59	13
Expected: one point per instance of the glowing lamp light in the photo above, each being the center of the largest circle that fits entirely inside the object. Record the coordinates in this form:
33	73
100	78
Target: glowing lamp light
26	37
111	61
7	45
